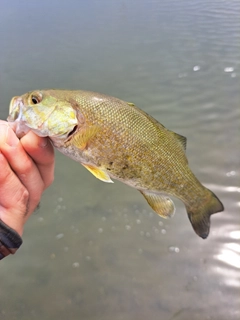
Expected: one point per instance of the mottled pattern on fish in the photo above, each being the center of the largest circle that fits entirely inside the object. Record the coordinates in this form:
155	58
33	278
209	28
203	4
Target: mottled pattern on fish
114	139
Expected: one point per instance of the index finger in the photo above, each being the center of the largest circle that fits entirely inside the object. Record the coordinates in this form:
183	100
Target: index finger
42	152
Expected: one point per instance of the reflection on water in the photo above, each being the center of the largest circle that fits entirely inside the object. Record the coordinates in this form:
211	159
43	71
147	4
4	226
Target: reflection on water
95	251
229	254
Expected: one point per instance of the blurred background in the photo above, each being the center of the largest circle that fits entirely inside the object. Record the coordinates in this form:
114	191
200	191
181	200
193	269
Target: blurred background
97	251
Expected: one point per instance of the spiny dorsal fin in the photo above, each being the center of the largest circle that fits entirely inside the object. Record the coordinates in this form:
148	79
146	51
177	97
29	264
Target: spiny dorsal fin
162	205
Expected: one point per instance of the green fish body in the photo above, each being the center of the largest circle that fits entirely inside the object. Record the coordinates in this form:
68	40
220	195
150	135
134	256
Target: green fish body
114	139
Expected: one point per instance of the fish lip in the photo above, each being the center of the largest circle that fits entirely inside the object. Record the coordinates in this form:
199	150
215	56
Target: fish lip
15	109
15	117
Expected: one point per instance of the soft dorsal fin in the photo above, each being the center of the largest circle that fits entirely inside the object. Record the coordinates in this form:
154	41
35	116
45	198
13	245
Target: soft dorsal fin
161	204
181	139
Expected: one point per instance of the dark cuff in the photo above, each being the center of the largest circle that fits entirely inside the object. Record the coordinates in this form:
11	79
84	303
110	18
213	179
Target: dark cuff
10	240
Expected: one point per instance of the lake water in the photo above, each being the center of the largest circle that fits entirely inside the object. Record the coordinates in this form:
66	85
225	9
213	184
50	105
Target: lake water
97	251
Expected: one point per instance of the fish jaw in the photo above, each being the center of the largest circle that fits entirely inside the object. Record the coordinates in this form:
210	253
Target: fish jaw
54	120
15	117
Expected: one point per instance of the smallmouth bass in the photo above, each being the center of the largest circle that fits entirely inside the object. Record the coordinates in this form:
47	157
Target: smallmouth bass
114	139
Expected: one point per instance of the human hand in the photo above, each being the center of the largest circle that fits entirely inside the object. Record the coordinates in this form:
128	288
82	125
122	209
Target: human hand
26	170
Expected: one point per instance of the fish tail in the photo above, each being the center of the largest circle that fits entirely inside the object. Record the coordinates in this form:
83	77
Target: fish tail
199	216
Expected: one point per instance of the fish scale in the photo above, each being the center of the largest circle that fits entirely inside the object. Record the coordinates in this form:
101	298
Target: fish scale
114	139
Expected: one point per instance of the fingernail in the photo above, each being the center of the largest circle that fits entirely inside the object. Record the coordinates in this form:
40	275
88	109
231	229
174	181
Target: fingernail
11	139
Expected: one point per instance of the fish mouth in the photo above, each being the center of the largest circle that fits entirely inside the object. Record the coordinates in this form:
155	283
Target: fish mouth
15	117
15	109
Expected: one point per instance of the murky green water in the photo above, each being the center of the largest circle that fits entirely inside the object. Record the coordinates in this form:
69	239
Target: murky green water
96	251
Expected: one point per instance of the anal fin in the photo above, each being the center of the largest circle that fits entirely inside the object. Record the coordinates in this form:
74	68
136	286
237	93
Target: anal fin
162	205
98	173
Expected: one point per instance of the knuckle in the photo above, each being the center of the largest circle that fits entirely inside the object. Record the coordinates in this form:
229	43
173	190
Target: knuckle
27	167
25	196
22	197
6	175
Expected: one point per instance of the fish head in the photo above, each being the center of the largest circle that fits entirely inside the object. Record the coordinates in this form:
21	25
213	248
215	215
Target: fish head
44	114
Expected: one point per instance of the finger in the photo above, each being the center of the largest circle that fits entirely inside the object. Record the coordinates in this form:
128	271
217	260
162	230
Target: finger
41	151
24	167
14	197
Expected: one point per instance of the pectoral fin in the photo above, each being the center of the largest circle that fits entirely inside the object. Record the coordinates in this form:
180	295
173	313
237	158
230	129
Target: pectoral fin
162	205
98	173
83	137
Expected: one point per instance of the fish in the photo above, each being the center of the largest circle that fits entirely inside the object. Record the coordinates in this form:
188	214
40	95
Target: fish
114	139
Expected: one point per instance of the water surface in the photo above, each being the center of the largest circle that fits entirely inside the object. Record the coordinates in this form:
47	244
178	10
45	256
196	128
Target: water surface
97	251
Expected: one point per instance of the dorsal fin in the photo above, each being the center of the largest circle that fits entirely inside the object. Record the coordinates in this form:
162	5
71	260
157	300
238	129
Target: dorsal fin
131	104
181	139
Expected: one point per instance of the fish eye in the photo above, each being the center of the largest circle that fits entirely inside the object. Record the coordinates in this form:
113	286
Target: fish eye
36	98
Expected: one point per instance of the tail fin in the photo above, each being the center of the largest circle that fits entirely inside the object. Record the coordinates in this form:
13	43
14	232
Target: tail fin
200	216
